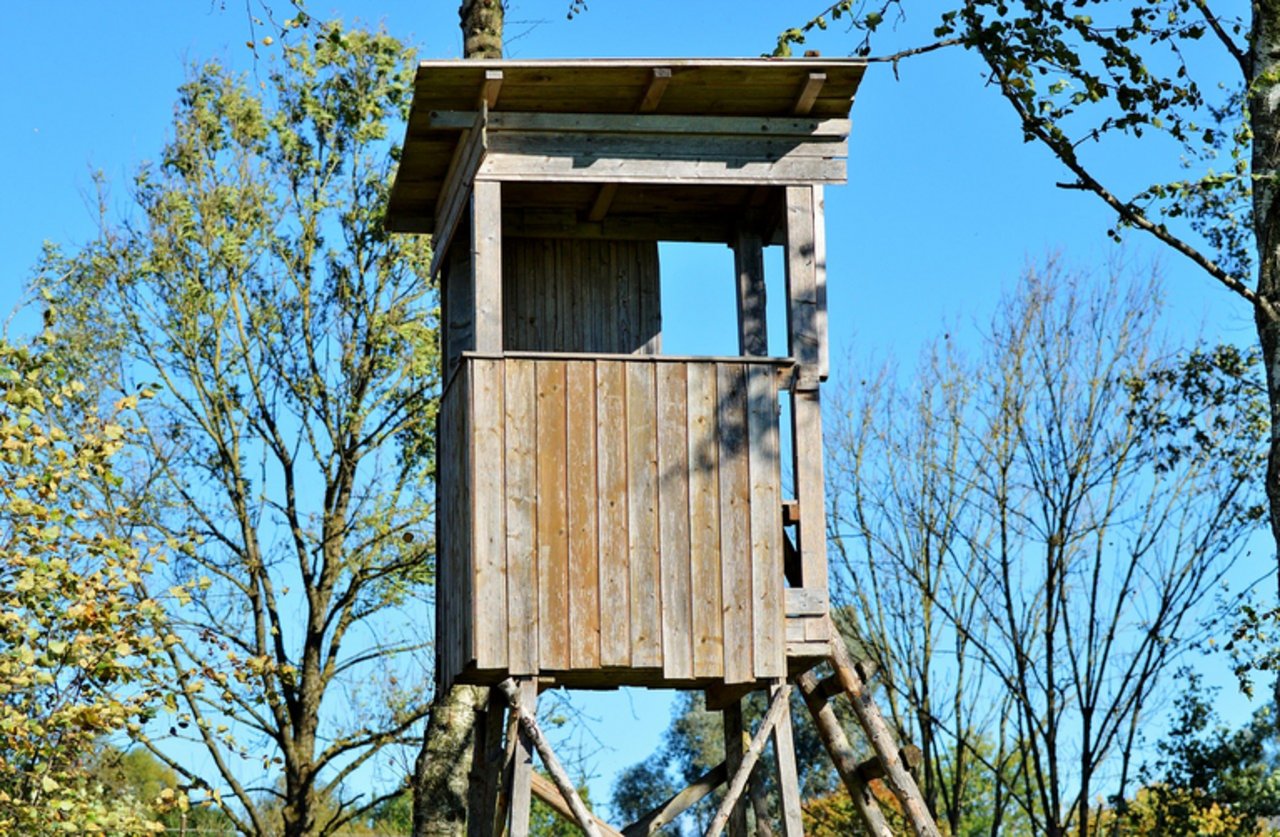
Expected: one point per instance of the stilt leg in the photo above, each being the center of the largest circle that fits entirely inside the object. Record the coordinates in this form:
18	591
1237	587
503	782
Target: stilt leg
521	793
734	745
784	752
842	755
895	773
486	767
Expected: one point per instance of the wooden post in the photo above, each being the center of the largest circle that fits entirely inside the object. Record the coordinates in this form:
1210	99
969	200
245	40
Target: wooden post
734	735
733	796
842	755
896	775
486	263
806	336
521	792
748	262
486	767
784	752
522	701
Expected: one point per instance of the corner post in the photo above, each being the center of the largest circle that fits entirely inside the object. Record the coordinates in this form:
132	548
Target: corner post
486	263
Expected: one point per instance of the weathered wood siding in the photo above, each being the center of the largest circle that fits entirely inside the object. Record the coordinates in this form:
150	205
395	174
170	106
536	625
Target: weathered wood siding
575	295
611	520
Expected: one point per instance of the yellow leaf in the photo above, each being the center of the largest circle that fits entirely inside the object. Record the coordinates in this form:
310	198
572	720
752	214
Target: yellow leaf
48	784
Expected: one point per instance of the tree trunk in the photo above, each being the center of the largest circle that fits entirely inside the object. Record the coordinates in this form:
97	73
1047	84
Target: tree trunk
1264	116
440	776
481	28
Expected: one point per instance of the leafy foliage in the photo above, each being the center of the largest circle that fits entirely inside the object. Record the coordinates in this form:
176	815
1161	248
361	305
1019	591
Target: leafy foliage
1207	778
77	641
286	457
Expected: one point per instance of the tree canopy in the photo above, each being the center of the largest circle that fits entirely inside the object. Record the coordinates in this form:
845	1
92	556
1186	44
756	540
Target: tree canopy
291	346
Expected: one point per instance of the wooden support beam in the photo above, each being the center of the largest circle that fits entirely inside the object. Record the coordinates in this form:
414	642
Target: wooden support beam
733	796
807	470
896	777
658	159
679	803
734	743
486	767
784	751
842	755
832	130
748	262
659	78
486	264
806	313
546	790
523	701
491	89
456	189
600	207
522	698
809	93
820	279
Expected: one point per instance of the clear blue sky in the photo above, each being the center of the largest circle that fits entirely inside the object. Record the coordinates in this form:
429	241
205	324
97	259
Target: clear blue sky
943	208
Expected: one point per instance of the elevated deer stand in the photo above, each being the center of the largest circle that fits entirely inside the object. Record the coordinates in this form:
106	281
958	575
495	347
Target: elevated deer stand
610	515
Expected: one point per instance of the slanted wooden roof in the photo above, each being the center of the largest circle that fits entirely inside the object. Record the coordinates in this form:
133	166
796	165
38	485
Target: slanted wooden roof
449	94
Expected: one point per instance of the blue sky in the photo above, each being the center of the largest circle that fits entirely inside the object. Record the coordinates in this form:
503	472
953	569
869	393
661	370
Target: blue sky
944	205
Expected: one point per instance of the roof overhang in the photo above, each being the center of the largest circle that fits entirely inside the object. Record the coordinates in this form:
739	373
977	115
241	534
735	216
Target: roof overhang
775	110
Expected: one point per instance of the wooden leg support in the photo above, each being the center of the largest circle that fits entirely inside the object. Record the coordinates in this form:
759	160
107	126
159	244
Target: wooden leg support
784	751
734	744
522	700
842	755
877	731
781	703
486	767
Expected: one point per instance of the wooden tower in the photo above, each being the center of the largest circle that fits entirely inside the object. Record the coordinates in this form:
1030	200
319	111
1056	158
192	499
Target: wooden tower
609	515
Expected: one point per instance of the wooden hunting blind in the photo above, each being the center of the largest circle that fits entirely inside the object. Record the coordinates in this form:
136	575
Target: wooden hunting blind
609	515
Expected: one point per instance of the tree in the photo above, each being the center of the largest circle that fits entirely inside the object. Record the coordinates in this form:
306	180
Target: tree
76	644
1208	779
1196	85
1030	539
286	456
694	744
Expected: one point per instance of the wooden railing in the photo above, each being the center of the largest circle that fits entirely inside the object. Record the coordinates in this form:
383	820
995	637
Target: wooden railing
612	519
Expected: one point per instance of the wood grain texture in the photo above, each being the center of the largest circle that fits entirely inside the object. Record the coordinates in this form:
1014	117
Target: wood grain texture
811	534
522	504
642	516
673	513
704	522
611	462
735	528
488	511
803	335
748	261
486	264
768	602
552	517
581	295
584	553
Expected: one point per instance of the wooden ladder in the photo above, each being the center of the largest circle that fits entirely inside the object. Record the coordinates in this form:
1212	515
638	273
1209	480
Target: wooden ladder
503	780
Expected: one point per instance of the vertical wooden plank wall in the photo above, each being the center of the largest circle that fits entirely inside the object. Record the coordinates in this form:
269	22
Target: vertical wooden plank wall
639	525
581	295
